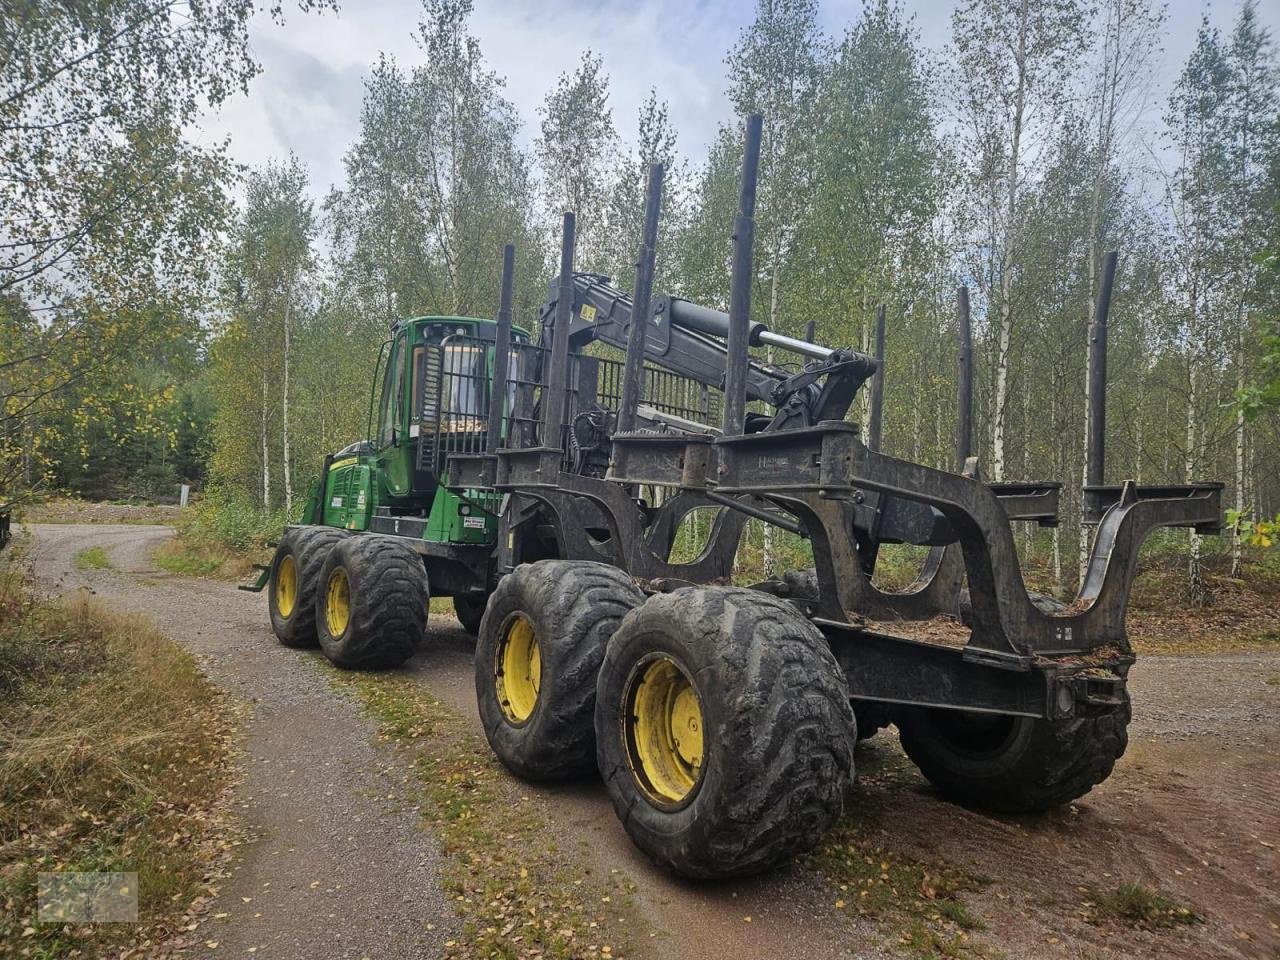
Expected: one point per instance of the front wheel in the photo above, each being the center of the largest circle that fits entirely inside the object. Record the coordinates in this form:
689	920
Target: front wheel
371	607
723	730
1015	764
295	577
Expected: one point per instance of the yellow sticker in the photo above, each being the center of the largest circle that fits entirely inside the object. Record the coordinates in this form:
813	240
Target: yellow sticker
587	313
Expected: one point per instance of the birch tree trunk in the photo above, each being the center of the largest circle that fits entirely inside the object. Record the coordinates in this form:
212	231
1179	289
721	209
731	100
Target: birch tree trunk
1006	267
284	405
1240	498
266	447
1195	574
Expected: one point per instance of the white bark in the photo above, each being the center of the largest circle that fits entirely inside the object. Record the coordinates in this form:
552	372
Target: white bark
1194	572
266	447
1006	268
284	406
1240	499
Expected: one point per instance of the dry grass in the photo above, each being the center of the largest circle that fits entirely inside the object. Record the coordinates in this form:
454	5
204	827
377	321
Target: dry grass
114	755
1137	905
192	558
519	894
71	510
1241	615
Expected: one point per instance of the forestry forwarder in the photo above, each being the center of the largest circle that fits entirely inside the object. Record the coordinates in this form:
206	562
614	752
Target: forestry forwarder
379	533
722	719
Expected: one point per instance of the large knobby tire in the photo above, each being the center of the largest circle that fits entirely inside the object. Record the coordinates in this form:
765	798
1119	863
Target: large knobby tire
723	728
541	642
371	606
295	577
1015	764
470	611
872	717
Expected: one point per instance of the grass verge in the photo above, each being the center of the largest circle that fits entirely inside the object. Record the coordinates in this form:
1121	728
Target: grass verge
114	756
190	558
92	558
517	892
1137	905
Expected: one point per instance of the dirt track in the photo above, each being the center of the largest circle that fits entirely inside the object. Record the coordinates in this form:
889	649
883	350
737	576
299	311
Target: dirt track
1191	809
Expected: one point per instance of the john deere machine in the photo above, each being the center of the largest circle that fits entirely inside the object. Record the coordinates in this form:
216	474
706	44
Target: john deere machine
545	487
380	534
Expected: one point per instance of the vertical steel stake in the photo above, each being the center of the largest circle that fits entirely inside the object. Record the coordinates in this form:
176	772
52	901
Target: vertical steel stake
633	371
877	386
744	233
964	399
1096	452
553	391
501	353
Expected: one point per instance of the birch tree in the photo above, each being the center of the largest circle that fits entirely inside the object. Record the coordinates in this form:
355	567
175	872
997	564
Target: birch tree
655	143
1014	62
1197	111
1128	44
436	180
576	148
1254	141
269	269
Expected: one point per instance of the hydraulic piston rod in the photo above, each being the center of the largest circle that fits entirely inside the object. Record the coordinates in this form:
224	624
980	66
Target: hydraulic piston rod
693	316
802	347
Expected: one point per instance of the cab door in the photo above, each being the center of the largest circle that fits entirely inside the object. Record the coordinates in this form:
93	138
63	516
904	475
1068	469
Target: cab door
394	449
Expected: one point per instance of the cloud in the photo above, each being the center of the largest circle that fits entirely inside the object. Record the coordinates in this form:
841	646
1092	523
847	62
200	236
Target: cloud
307	98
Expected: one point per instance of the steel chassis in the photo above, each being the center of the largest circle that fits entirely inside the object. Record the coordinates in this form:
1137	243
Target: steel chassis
1023	655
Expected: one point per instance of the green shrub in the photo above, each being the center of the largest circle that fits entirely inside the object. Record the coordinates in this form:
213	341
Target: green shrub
230	519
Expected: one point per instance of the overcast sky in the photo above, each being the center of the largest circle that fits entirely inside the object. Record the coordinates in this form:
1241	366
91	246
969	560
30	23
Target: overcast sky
307	98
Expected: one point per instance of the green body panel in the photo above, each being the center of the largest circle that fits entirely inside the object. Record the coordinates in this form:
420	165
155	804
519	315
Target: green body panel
356	485
455	520
348	498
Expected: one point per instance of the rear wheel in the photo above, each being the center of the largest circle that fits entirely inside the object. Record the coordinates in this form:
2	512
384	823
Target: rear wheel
295	576
541	642
371	607
1015	764
723	730
470	610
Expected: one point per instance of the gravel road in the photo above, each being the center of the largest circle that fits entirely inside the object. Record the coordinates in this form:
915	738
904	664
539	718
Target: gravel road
339	868
343	869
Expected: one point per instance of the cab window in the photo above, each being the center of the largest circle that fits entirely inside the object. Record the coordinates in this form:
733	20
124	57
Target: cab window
392	393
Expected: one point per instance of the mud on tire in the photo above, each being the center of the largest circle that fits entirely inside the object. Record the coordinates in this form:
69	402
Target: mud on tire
1015	764
775	720
572	608
872	717
385	607
306	548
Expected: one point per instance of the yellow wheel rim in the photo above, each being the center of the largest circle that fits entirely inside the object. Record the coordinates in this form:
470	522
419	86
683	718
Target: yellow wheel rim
337	603
518	670
286	586
662	727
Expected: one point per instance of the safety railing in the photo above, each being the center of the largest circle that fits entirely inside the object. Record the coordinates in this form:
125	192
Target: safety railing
455	393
